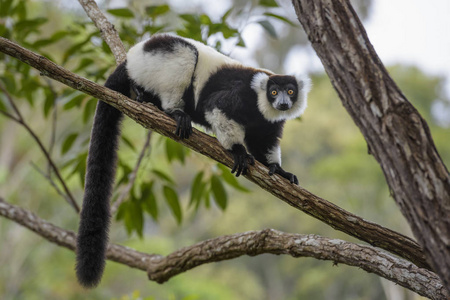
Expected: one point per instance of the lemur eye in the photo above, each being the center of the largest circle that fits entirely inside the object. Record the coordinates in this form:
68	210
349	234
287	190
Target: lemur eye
274	93
291	92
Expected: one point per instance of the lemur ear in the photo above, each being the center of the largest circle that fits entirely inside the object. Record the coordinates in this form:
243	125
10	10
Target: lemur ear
304	83
259	82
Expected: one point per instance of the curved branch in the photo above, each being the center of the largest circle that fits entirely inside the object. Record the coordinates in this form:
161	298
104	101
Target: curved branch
161	269
107	30
150	117
397	136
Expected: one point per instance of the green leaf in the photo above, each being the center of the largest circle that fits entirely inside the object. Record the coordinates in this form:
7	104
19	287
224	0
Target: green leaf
163	176
190	18
197	189
121	12
269	28
9	82
68	142
125	170
49	101
175	151
84	63
89	109
268	3
205	20
219	192
128	143
77	48
75	101
156	10
281	18
80	167
231	179
241	42
122	210
136	216
5	6
227	14
173	202
20	10
149	200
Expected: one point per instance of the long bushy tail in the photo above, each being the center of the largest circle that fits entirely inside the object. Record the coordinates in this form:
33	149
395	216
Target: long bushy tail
101	168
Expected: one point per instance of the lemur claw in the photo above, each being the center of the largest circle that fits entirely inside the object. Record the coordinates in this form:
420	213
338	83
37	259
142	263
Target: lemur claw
276	168
184	125
241	160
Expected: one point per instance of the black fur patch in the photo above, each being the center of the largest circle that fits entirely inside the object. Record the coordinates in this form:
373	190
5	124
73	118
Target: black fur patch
166	43
282	80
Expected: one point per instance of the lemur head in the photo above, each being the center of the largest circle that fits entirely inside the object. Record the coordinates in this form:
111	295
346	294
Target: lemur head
280	97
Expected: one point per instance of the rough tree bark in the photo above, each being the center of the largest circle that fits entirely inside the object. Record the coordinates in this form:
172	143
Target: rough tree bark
396	134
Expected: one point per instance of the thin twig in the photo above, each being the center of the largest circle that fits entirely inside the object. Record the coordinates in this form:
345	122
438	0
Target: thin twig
51	181
132	177
161	268
9	116
107	30
19	119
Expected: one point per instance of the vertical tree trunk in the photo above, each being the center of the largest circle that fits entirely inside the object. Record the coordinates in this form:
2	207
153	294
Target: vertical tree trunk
396	134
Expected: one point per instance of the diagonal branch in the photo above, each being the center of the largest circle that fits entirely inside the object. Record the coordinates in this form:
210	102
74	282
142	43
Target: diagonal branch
150	117
107	30
162	268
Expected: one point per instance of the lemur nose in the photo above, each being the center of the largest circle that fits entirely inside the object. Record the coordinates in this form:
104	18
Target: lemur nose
283	106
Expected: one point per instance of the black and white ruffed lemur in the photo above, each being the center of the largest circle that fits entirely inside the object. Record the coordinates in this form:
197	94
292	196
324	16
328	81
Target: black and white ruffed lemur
244	107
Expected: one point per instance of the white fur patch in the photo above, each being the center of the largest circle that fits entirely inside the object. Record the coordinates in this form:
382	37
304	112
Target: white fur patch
228	132
274	155
167	74
270	113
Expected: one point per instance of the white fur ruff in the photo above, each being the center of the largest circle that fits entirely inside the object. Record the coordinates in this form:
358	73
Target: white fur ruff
259	85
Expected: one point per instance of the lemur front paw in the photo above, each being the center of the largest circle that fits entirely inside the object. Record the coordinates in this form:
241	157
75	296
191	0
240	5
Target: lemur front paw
241	159
184	125
276	168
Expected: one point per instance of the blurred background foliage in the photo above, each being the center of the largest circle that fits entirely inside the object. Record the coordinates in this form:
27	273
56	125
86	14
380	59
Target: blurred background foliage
180	197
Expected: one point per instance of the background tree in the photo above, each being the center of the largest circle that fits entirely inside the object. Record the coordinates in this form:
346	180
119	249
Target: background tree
327	160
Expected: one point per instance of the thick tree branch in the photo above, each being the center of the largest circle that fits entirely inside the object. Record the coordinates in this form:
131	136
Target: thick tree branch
107	30
397	136
150	117
162	268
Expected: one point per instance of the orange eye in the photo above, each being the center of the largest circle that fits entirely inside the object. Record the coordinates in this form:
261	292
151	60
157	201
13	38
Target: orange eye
290	92
274	93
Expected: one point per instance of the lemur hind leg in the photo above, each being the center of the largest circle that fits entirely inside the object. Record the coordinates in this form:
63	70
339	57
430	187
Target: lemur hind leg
242	159
231	136
276	168
184	124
